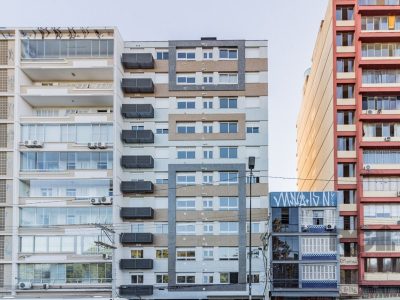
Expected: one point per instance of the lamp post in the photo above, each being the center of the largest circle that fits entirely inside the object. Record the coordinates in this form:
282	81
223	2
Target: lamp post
252	161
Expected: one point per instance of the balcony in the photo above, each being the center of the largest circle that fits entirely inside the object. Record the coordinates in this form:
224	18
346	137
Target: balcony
137	162
137	60
138	111
68	93
137	187
136	290
137	85
319	256
136	264
382	276
348	234
136	213
136	238
137	136
348	207
318	228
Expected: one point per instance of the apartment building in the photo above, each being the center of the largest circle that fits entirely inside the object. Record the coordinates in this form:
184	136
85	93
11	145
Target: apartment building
124	165
348	138
304	248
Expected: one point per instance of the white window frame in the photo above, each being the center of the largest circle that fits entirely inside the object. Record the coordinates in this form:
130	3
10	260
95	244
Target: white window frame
186	53
232	78
185	227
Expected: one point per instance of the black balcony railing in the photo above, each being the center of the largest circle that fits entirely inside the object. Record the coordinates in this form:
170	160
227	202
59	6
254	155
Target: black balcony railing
136	264
137	213
137	85
137	136
136	238
136	290
137	60
137	162
139	111
137	187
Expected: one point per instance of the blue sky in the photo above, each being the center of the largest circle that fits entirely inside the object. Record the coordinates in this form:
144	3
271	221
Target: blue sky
291	26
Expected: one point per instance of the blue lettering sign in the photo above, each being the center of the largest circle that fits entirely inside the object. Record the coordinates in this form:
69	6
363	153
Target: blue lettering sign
303	199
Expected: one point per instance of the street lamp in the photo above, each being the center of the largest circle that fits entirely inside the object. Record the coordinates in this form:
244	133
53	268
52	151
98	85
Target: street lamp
252	162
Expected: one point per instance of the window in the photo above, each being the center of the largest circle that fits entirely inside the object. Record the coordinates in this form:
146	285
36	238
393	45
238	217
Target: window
255	278
285	219
186	154
186	104
208	278
381	76
349	276
285	248
137	227
137	127
232	277
344	13
228	127
228	103
253	129
161	180
137	279
207	153
228	203
185	204
207	54
348	222
346	143
207	103
161	253
228	177
208	204
345	117
380	103
345	91
162	55
184	279
285	275
318	217
347	196
136	253
207	127
186	79
185	254
228	53
344	39
345	65
185	228
228	152
374	23
318	272
208	178
346	170
208	253
162	228
348	249
228	227
381	156
381	129
162	131
380	49
185	128
228	78
208	228
208	78
228	253
161	278
185	55
255	227
185	178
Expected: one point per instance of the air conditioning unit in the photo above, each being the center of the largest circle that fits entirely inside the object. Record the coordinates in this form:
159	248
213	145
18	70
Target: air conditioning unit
37	144
92	145
95	201
387	139
367	167
304	228
107	200
102	145
29	143
107	256
330	227
25	285
370	111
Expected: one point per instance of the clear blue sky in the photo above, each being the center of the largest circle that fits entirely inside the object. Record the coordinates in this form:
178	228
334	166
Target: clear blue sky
291	27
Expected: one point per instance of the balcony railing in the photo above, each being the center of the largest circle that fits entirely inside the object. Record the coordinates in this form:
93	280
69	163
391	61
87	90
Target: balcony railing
136	238
137	136
137	187
137	162
137	85
137	213
139	111
136	290
137	60
136	264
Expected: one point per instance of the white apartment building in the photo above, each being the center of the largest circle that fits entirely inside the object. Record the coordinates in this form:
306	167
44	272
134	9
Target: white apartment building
142	146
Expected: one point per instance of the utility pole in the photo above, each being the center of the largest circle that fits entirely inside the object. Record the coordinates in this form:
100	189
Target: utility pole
252	161
265	239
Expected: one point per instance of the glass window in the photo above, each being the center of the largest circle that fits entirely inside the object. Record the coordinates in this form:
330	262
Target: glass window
228	127
228	152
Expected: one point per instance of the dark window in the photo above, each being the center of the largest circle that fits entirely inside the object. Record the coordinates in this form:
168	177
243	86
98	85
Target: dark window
285	275
347	196
382	264
345	117
285	219
344	13
345	91
346	143
348	249
346	170
348	222
345	65
349	276
285	248
344	39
